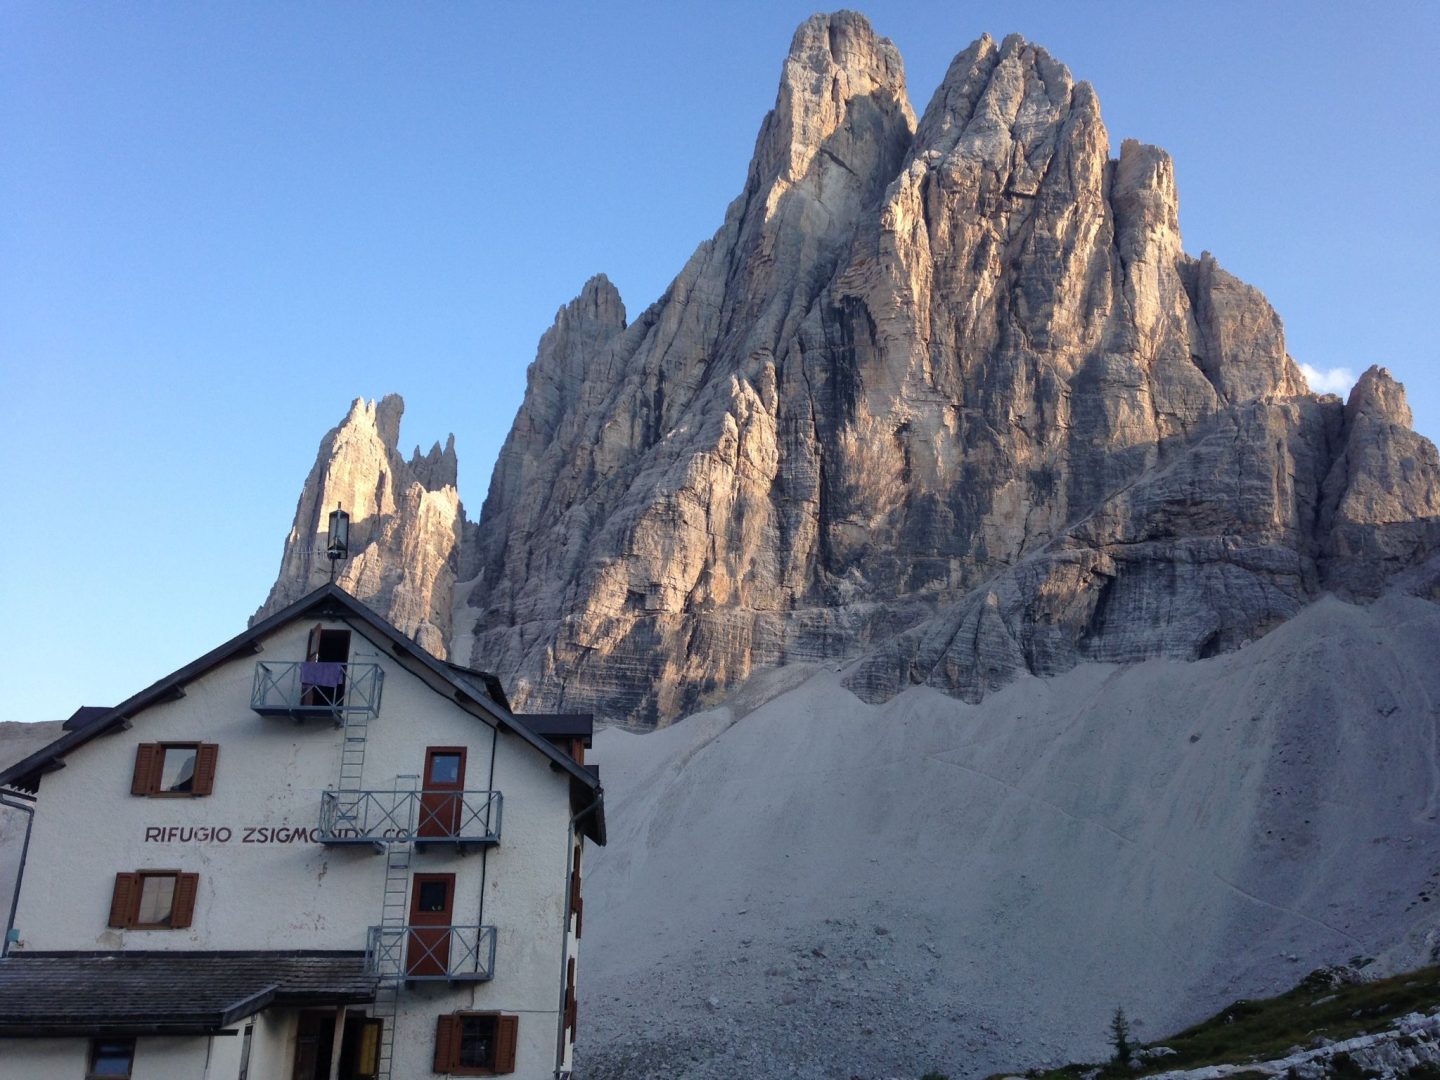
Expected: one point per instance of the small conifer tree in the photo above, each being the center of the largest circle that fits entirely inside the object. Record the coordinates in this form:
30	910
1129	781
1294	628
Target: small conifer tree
1120	1038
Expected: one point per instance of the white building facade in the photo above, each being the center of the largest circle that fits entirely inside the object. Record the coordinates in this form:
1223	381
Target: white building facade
316	853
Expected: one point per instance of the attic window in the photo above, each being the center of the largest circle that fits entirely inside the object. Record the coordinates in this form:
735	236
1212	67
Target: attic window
175	770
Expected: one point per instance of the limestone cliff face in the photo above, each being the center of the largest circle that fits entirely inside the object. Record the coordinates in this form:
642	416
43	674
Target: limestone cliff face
405	519
949	402
939	402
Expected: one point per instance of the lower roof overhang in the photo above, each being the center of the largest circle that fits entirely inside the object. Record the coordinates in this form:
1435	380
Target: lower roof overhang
60	995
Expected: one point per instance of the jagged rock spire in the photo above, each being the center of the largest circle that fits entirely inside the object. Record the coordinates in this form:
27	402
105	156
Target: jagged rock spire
404	524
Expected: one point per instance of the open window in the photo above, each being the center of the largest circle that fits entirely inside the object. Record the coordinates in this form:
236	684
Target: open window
175	770
476	1043
110	1058
153	900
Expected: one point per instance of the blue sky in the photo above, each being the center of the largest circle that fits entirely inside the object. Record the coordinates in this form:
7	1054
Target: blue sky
219	223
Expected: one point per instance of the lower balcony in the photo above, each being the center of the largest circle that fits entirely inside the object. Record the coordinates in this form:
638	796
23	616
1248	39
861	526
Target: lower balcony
431	953
458	818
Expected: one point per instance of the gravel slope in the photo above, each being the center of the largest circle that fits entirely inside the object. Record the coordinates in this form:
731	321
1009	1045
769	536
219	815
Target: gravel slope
802	885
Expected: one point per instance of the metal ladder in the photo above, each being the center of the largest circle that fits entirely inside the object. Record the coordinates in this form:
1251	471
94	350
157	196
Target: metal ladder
393	911
352	769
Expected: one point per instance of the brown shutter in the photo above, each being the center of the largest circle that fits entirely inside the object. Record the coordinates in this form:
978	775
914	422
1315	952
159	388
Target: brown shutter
149	761
182	910
570	993
571	1014
312	643
124	900
206	756
579	914
447	1043
575	889
507	1034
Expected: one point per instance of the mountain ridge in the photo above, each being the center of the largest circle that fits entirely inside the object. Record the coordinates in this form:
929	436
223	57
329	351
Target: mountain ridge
942	400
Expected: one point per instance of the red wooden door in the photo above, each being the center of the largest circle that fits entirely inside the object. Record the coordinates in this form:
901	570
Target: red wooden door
432	907
440	798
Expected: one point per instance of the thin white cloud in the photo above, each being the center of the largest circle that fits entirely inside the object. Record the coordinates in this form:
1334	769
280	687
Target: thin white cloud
1337	380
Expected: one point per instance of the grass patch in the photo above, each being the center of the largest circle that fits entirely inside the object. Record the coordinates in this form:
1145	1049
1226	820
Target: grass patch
1262	1029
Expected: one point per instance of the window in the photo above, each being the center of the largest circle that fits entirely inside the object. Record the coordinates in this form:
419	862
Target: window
111	1057
174	770
433	896
153	900
157	899
476	1044
177	769
445	768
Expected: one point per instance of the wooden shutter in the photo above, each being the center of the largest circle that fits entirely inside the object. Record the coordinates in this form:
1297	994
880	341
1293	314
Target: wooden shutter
149	761
312	643
507	1034
182	909
579	914
124	900
570	992
447	1043
575	888
206	755
571	1014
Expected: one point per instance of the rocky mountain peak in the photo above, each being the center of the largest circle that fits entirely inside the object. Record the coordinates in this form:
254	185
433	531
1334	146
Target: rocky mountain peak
599	303
437	469
1377	396
938	403
840	86
405	520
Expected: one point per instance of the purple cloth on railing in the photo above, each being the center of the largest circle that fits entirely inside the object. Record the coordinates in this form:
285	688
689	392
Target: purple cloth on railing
322	673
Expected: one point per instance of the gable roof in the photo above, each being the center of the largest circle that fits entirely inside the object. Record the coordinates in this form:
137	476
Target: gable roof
468	691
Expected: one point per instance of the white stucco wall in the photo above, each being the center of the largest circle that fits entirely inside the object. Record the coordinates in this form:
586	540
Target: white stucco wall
293	893
193	1058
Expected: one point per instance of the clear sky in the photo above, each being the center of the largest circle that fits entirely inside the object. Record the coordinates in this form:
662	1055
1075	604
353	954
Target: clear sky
221	222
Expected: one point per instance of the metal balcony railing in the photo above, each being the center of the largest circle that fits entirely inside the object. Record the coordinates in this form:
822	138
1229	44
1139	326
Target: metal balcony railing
434	953
381	817
310	688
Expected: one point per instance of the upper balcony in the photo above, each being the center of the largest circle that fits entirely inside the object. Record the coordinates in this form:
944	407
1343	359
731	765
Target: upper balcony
431	953
460	818
302	688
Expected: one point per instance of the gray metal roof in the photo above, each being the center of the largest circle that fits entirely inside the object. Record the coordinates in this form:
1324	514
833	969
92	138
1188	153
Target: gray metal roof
167	992
560	725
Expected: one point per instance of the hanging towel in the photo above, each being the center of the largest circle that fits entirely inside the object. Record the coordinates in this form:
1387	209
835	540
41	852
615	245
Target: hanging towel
322	673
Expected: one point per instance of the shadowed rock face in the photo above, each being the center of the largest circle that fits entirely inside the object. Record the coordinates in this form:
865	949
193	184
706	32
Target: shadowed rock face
943	402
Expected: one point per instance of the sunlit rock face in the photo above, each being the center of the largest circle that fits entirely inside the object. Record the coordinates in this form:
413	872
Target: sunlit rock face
405	519
939	402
